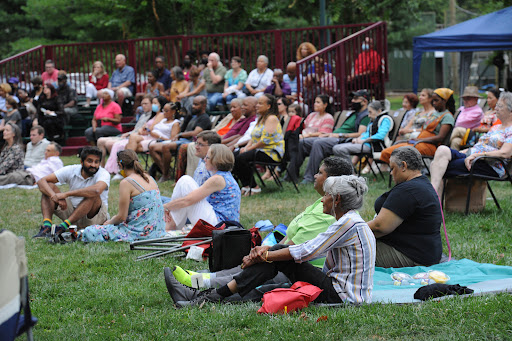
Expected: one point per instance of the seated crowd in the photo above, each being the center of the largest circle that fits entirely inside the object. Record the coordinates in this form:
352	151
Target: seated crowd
173	125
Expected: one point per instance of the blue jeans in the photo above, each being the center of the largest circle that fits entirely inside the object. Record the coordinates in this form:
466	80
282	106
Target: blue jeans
213	98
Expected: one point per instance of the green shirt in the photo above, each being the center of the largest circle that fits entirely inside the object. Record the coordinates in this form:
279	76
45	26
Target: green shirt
348	126
219	71
308	225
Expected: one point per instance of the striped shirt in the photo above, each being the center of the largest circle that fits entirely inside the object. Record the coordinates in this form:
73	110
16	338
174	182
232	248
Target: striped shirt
350	247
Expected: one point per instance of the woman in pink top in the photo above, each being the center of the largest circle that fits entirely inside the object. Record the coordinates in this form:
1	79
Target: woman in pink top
319	121
109	113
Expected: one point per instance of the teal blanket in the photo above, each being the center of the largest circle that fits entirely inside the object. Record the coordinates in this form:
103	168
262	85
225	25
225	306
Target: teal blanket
483	278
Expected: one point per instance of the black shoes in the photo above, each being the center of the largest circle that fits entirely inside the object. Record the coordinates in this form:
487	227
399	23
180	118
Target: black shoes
178	291
209	295
184	296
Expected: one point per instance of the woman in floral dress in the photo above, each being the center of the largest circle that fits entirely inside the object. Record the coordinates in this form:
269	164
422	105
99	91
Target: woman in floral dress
141	212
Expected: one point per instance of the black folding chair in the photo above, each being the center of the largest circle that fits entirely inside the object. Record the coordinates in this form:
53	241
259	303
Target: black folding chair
472	176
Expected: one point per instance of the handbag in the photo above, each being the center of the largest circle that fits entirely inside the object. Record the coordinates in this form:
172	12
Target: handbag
286	300
229	247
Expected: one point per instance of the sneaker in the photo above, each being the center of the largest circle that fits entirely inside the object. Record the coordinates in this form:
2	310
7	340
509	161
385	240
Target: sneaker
117	177
44	232
178	291
209	295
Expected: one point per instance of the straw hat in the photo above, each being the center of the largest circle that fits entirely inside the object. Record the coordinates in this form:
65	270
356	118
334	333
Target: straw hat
471	91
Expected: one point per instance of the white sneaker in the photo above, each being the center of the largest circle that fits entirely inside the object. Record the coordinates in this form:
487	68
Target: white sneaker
117	177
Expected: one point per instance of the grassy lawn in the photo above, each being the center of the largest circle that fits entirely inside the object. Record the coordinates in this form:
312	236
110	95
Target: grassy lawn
99	292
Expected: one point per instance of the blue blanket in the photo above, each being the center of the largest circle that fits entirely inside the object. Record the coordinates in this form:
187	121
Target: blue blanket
483	278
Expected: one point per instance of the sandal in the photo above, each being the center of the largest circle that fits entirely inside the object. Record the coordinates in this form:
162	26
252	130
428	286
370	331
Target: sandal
245	189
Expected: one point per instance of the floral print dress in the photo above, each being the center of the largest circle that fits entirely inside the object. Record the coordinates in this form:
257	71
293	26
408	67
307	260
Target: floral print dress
145	220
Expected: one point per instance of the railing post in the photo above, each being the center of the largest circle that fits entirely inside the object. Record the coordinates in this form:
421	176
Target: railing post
342	75
278	48
48	54
184	45
132	60
41	59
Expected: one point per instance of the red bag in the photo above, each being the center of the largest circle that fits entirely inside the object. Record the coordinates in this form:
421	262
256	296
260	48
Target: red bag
255	236
286	300
201	229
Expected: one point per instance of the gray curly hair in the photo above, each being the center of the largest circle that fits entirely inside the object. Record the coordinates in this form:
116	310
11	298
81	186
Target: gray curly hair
350	188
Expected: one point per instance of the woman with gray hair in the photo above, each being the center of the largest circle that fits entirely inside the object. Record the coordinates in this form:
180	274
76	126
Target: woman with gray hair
12	155
376	133
347	275
408	217
259	78
497	142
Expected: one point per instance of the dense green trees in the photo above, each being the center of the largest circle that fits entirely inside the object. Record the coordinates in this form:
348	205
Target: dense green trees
27	23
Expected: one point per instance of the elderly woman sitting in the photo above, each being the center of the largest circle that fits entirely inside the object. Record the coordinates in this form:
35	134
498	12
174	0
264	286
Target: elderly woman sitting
408	216
347	275
216	200
497	142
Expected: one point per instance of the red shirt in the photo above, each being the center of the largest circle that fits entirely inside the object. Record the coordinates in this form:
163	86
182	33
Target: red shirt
101	83
110	111
50	78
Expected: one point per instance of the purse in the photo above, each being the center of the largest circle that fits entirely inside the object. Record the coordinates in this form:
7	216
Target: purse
286	300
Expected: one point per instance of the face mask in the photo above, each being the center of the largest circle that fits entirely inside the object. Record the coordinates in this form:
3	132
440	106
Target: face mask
10	109
187	63
123	173
154	107
365	47
356	106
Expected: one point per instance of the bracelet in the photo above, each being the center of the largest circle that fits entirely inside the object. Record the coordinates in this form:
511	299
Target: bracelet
266	258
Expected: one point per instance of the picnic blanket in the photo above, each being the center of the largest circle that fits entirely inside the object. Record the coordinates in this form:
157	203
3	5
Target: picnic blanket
17	186
481	277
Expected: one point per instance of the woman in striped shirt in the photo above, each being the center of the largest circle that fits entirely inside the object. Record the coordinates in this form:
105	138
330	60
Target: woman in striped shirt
349	246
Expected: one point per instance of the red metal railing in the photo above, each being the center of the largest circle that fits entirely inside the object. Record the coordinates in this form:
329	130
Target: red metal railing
338	59
343	67
24	65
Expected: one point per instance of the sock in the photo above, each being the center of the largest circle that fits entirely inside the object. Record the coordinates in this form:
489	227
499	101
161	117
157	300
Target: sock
65	224
184	276
224	291
47	223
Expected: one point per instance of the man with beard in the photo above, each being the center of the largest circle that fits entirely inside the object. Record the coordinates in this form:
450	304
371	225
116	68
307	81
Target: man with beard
162	152
86	202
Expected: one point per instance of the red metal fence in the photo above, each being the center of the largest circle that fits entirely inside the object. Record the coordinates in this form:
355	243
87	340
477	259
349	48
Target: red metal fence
344	67
279	46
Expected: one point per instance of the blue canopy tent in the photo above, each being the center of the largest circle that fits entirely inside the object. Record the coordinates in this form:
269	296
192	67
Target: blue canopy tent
489	32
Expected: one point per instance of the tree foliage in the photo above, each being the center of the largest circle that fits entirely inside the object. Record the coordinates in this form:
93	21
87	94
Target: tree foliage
28	23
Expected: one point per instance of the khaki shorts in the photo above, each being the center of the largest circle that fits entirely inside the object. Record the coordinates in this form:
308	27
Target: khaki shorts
83	222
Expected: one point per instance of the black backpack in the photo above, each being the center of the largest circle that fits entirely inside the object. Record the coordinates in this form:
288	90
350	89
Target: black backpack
229	246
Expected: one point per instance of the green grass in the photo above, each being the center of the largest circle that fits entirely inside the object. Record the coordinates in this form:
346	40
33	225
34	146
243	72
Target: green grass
99	292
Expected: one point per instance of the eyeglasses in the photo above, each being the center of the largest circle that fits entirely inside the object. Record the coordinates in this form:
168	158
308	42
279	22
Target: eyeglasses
207	157
201	145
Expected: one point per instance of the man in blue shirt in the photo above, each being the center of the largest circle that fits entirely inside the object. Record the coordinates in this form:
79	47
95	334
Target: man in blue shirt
164	75
291	79
122	81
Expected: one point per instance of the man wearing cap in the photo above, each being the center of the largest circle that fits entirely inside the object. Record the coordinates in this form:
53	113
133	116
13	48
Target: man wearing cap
320	147
67	96
13	82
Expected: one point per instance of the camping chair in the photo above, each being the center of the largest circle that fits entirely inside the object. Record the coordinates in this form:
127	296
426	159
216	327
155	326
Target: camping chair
472	176
271	166
14	288
342	117
376	155
397	117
